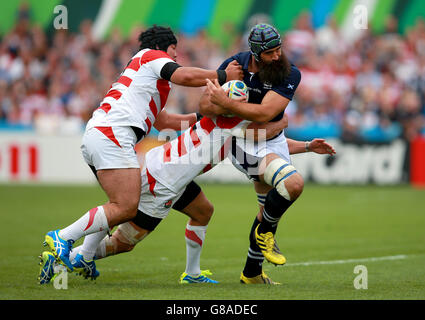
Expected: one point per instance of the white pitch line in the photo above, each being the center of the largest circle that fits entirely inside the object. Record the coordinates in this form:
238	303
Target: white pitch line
372	259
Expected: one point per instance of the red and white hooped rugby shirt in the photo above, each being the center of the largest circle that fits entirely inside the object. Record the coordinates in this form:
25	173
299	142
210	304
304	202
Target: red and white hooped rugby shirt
195	151
138	95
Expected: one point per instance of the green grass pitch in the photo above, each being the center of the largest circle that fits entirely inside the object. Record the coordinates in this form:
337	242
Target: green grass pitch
324	235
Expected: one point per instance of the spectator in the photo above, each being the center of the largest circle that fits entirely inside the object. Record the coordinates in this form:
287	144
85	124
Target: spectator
373	88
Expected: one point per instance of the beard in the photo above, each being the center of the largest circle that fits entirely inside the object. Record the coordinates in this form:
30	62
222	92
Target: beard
274	72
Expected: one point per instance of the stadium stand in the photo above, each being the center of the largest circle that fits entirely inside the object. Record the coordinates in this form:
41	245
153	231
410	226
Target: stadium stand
369	90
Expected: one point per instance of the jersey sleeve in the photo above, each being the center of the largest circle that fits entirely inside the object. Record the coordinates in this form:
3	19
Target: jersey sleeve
157	59
288	87
226	62
158	64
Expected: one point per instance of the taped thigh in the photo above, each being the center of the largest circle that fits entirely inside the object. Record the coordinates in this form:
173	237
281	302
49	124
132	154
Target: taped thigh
130	234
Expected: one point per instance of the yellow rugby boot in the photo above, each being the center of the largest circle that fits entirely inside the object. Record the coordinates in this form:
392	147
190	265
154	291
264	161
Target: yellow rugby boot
269	249
260	279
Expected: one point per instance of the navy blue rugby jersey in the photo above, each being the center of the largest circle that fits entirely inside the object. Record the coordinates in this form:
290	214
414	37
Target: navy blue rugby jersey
257	89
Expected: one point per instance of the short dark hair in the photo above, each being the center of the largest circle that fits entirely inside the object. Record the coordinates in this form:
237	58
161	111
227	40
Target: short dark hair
157	38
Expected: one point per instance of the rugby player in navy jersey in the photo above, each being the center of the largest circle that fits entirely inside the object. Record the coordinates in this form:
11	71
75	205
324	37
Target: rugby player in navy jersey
272	81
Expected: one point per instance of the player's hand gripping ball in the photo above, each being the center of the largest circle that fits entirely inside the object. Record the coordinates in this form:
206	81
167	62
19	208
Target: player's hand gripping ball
237	89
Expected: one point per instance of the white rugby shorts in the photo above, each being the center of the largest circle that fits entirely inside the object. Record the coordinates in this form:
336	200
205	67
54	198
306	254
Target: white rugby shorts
156	199
110	148
247	155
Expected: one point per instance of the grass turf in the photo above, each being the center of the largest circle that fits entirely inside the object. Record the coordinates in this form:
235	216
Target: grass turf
328	223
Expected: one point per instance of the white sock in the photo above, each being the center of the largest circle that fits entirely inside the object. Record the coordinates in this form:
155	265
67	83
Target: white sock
74	253
101	249
99	254
90	244
195	237
93	221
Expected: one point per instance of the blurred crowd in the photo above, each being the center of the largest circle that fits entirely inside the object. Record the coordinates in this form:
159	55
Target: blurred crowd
370	90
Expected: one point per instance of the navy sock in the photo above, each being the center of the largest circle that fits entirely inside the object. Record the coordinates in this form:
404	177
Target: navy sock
274	208
254	261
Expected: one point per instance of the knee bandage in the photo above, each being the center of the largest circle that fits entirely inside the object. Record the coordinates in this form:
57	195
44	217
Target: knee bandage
276	173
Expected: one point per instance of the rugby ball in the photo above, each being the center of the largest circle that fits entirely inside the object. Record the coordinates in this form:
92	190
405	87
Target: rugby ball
237	89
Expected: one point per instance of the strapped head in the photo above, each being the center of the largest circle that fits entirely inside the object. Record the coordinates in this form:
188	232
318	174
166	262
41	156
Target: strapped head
157	38
263	37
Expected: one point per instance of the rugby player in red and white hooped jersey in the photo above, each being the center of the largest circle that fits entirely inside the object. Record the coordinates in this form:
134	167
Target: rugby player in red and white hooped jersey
133	104
167	182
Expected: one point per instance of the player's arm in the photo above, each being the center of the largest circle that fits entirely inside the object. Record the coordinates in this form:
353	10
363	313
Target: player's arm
196	77
271	105
319	146
208	109
263	131
176	122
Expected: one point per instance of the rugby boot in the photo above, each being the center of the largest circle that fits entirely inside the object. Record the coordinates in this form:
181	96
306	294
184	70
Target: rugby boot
60	248
85	268
269	249
202	278
260	279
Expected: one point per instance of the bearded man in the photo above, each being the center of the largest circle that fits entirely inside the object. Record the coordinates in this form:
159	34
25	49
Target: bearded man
272	81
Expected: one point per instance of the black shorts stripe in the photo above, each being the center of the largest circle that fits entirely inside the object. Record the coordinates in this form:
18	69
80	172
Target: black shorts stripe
93	169
190	193
145	222
150	223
